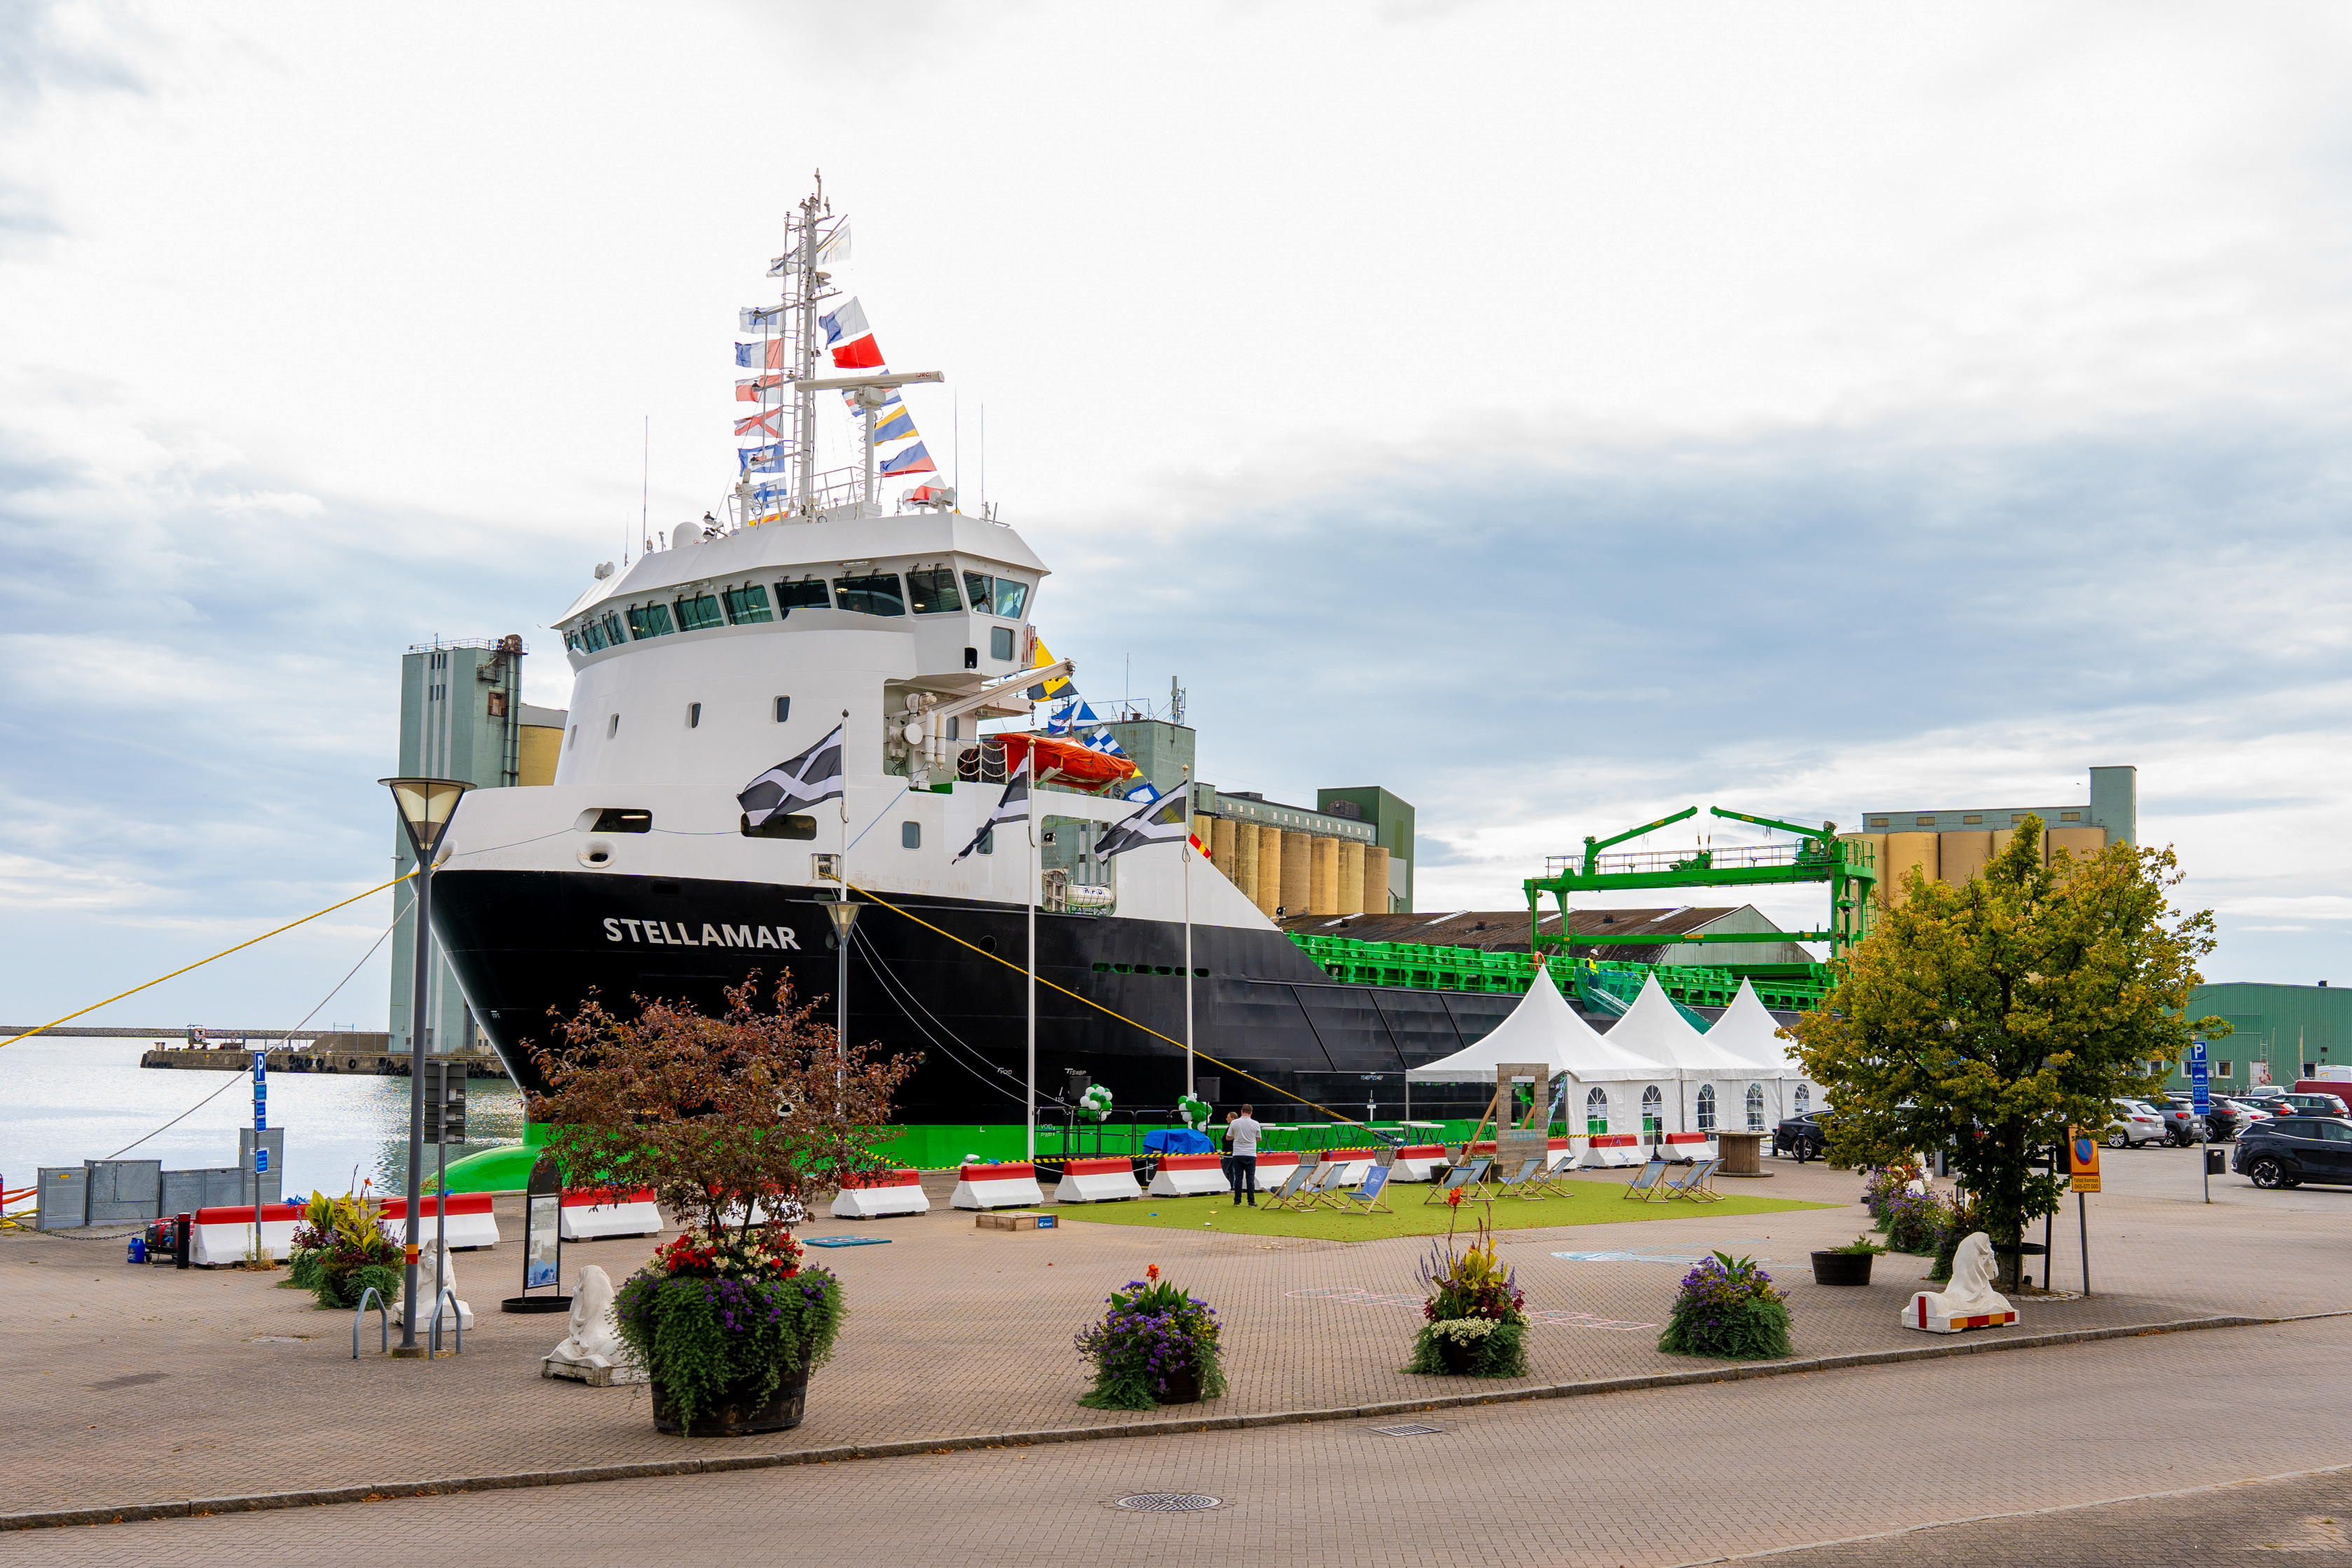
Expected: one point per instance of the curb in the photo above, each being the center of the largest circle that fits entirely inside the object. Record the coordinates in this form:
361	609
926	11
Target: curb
255	1502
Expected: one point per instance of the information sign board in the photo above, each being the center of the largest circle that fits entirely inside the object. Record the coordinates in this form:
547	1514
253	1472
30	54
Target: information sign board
2083	1161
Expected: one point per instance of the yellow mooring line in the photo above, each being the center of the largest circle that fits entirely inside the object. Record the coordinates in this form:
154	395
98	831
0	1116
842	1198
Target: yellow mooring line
1205	1056
200	963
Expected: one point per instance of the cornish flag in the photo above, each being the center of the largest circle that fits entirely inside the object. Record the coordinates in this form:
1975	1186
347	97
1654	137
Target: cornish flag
1160	822
813	776
1013	808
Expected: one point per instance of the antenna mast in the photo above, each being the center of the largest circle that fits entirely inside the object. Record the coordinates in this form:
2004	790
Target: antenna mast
805	367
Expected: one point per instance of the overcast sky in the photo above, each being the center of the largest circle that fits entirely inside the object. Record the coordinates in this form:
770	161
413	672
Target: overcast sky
1558	413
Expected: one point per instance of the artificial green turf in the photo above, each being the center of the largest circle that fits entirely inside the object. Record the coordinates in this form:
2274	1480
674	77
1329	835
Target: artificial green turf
1587	1203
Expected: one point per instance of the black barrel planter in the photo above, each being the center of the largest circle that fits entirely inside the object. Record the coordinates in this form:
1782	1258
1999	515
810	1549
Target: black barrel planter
1842	1268
736	1416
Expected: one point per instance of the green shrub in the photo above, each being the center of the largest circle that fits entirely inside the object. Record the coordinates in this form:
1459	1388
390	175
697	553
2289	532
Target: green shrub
1728	1310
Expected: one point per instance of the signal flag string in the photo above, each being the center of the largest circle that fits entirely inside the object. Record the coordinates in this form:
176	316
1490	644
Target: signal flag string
200	963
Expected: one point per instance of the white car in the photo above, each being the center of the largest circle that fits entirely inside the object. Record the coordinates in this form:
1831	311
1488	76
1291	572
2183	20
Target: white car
2135	1123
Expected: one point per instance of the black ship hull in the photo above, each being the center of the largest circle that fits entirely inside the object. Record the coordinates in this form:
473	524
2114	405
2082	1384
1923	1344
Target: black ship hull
528	946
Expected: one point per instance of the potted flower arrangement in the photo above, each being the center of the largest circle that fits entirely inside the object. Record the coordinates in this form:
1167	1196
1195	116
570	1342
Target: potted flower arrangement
1727	1309
1912	1221
1847	1265
340	1249
1474	1321
735	1122
1155	1346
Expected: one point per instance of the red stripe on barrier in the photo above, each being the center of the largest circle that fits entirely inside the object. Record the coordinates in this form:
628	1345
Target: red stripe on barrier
1686	1138
271	1213
1097	1167
1192	1163
590	1196
1613	1140
996	1173
885	1179
459	1203
1423	1152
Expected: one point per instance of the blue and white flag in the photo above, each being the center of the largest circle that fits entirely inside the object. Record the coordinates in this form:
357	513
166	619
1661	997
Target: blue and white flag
761	318
770	495
765	356
763	459
845	321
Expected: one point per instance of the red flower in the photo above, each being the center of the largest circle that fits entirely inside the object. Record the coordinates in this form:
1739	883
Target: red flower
1152	1271
1453	1198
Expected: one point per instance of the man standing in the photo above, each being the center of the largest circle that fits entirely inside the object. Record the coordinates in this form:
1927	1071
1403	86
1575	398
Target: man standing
1245	1132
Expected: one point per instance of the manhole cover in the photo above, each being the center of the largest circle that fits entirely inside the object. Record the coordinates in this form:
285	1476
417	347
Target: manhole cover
1168	1502
1410	1429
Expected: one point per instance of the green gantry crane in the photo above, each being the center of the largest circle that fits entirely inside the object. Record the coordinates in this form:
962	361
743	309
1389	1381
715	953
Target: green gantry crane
1849	866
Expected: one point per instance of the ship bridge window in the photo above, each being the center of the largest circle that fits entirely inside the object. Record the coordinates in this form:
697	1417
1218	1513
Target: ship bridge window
570	640
805	595
612	634
649	621
1002	596
876	593
745	605
592	636
780	826
932	590
698	612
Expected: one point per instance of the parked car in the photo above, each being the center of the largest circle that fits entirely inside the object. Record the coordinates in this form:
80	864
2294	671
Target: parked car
2182	1123
2316	1105
2135	1123
2287	1151
1802	1135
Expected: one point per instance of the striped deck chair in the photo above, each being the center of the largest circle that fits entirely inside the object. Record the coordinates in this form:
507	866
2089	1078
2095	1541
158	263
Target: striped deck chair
1645	1185
1286	1195
1367	1198
1330	1180
1694	1185
1525	1182
1469	1180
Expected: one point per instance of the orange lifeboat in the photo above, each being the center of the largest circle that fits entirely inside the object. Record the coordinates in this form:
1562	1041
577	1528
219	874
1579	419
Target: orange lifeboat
1065	761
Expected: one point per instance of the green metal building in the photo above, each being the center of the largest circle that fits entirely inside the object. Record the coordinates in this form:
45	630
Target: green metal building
2280	1033
1390	820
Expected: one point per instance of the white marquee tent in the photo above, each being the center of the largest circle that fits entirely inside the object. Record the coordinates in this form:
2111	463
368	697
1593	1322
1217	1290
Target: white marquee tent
1712	1084
1748	1030
1543	1028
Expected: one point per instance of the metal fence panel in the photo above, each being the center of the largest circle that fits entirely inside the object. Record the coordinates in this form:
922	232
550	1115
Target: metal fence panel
63	1198
185	1192
123	1190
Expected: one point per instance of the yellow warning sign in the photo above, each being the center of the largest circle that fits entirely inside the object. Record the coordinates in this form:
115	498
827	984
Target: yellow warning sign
2083	1161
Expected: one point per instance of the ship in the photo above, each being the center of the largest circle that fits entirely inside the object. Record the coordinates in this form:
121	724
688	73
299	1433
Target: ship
811	605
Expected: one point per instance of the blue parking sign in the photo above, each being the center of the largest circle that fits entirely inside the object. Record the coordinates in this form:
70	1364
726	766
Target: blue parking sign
260	1161
2200	1091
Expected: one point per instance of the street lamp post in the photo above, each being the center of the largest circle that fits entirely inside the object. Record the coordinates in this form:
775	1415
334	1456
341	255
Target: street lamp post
425	808
844	919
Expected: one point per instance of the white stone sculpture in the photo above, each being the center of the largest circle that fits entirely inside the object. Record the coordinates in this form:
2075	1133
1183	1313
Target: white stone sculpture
1970	1301
427	1292
591	1353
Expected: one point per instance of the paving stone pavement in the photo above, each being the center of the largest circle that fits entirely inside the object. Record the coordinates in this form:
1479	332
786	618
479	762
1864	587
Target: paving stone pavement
1639	1479
138	1384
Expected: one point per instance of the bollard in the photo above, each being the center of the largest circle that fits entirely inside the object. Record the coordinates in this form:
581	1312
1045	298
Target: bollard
180	1239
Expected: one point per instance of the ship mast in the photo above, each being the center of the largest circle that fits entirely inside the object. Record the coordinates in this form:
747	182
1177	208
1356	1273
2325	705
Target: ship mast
804	357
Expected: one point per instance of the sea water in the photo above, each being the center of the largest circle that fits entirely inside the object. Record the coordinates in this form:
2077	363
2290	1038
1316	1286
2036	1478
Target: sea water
64	1100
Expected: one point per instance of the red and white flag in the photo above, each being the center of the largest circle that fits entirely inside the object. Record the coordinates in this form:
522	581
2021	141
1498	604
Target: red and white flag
751	390
768	424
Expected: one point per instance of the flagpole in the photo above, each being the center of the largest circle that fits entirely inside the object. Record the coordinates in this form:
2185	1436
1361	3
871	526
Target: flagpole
1188	929
1030	1131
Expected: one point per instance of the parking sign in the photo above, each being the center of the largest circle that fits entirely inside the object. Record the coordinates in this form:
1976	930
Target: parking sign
2201	1089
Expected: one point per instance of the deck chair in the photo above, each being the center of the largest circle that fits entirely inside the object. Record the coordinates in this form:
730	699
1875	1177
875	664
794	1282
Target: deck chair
1370	1197
1525	1182
1645	1185
1694	1185
1330	1179
1286	1195
1553	1182
1469	1180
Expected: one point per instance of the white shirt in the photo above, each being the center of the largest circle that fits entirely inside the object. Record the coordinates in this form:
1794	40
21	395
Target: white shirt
1246	1132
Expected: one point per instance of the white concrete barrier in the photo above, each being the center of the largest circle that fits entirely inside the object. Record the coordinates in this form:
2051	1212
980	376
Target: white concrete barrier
884	1192
996	1186
1418	1162
1614	1151
471	1223
1190	1176
222	1235
593	1213
1096	1181
1689	1146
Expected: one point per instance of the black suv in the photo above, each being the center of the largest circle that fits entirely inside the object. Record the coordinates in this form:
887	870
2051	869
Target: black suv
2288	1151
1801	1135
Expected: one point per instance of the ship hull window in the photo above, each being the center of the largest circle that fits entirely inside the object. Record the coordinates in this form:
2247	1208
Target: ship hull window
747	605
699	612
988	842
780	826
612	726
911	835
649	621
783	710
809	595
623	820
933	591
694	715
876	593
1000	642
